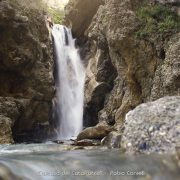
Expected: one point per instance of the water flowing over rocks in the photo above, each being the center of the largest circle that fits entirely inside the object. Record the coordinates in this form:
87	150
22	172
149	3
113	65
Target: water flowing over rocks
69	81
44	161
26	68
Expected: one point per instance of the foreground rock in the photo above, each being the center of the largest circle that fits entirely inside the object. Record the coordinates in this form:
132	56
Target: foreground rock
87	142
26	67
97	132
112	140
153	127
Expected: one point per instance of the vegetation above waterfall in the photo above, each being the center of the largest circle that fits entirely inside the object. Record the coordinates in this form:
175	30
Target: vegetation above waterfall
157	19
56	14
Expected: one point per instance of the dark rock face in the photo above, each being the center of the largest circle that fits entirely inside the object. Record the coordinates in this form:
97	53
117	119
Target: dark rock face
153	127
26	67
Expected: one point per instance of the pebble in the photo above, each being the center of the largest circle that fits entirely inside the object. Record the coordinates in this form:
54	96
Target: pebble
151	129
162	133
129	145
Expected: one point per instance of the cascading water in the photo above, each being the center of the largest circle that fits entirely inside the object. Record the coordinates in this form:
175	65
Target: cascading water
69	83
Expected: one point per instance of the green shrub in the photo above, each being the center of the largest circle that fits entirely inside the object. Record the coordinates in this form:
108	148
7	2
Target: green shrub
157	19
56	14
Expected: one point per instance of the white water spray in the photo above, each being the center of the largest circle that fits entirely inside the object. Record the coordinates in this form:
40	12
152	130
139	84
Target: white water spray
69	83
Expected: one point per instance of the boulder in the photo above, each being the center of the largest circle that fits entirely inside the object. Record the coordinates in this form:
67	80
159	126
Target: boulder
153	127
97	132
87	142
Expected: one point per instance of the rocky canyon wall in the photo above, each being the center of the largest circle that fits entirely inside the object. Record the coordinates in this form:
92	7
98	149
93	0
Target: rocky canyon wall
26	70
125	67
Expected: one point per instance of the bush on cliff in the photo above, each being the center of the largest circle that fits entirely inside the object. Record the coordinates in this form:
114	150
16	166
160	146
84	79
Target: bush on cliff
157	19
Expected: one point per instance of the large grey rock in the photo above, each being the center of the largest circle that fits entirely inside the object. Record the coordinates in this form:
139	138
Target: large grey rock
153	127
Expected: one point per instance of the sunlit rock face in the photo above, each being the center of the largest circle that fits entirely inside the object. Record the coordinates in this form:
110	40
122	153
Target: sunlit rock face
26	66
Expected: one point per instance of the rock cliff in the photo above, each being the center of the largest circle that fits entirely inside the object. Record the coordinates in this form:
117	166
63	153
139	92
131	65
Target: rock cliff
126	67
132	52
26	66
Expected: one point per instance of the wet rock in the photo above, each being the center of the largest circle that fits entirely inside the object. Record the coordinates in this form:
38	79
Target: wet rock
58	142
112	140
87	142
153	127
97	132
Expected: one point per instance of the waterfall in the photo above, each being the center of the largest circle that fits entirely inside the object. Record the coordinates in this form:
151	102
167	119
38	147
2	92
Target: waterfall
69	80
